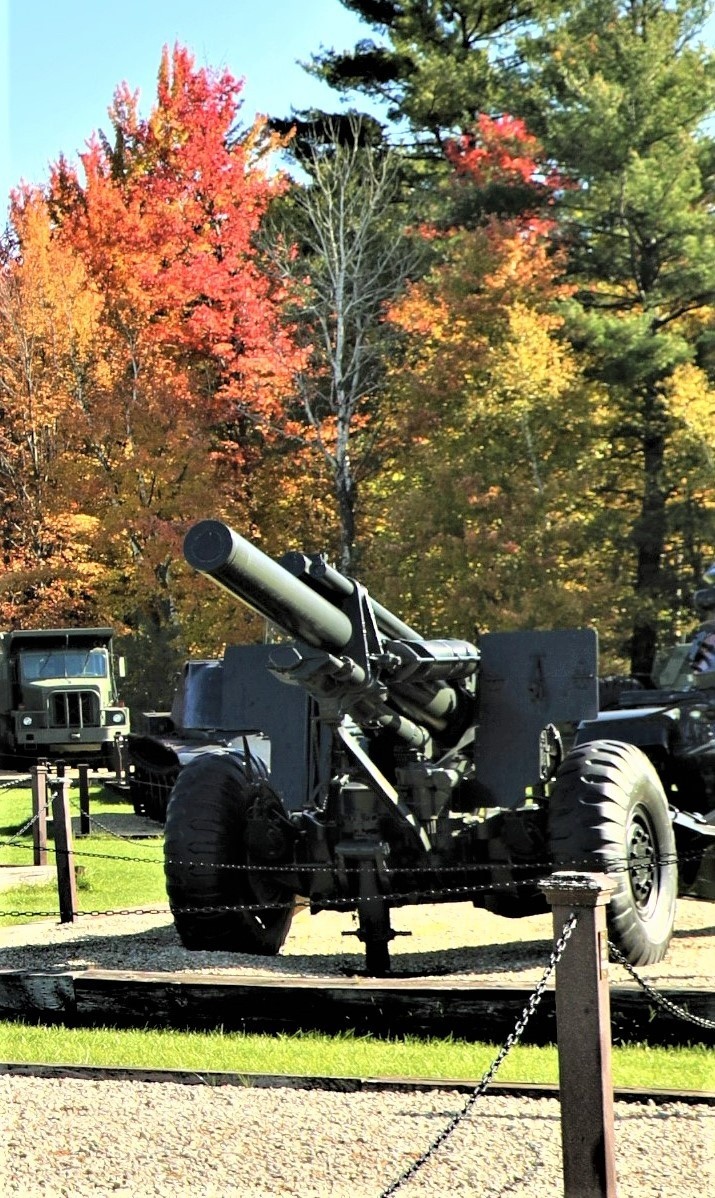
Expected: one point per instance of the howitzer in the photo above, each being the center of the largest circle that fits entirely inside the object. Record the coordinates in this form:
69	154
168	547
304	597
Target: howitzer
385	769
356	655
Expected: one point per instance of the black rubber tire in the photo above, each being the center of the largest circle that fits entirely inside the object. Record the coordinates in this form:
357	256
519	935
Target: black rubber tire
608	810
205	831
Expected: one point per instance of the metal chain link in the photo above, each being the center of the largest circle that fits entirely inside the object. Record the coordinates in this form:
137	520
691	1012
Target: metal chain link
659	999
512	1039
11	844
16	783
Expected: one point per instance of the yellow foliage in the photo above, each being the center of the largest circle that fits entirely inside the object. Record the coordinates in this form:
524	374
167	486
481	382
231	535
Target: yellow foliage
692	400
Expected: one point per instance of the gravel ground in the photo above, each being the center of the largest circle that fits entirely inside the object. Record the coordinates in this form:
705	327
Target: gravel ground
448	940
76	1138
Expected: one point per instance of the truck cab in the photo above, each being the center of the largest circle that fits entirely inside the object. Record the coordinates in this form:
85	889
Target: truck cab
58	694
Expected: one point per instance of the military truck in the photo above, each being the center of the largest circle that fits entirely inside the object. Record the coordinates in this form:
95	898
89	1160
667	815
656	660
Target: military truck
58	695
404	770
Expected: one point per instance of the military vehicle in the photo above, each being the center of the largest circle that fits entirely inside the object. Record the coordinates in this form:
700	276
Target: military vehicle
166	741
392	769
58	695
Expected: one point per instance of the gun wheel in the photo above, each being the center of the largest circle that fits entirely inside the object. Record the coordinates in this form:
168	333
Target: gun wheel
209	825
608	812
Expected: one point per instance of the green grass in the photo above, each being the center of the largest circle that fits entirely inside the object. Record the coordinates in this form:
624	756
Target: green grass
114	873
635	1066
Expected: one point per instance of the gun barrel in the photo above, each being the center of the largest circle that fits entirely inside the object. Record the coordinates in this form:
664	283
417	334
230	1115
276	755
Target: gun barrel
315	572
233	563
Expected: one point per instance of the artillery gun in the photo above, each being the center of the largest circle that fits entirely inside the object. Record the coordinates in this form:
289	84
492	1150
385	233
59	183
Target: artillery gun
386	769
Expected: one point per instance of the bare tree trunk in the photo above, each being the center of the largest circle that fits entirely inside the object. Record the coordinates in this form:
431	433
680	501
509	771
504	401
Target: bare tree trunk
356	254
649	536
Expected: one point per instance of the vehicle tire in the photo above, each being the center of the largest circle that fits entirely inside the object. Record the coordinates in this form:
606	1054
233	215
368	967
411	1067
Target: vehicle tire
155	769
608	812
208	829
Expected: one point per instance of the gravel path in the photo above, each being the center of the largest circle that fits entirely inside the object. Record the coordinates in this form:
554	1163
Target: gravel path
134	1139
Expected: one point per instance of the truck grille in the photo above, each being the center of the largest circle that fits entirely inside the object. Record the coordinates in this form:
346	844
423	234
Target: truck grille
75	709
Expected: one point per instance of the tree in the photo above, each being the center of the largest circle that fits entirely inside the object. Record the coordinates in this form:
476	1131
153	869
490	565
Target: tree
623	89
483	513
617	91
354	253
437	64
196	353
48	322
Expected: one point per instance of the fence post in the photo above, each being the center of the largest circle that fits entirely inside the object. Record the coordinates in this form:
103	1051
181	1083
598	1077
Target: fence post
64	851
120	758
39	813
83	784
583	1021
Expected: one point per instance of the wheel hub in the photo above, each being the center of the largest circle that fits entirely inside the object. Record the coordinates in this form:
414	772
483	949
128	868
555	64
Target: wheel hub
642	862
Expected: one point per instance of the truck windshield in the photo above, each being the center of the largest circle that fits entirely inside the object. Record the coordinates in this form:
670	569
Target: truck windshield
63	663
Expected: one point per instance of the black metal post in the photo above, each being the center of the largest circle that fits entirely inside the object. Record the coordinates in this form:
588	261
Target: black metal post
83	784
120	758
64	851
583	1019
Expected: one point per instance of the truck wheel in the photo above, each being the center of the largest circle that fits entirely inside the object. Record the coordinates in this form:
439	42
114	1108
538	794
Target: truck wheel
608	812
208	827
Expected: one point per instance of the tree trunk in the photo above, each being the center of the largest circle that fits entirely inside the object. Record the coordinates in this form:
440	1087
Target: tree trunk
346	495
649	536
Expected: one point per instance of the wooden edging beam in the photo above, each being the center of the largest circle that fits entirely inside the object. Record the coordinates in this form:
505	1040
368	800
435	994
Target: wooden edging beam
343	1085
465	1011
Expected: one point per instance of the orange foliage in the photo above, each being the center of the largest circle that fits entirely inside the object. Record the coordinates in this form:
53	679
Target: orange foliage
144	353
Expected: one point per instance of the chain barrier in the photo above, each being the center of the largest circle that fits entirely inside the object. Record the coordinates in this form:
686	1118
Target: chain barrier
512	1039
111	831
534	868
659	999
15	783
11	844
337	904
443	894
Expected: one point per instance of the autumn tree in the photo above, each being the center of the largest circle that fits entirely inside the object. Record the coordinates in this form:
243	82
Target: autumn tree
48	323
481	517
174	410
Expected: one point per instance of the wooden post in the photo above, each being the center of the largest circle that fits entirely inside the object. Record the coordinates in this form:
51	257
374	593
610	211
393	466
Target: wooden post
583	1020
39	813
64	852
83	783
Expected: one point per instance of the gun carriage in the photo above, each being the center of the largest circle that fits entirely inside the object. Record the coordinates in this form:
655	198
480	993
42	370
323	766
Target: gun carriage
376	768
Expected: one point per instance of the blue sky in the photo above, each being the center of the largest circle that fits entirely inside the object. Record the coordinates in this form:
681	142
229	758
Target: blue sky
60	61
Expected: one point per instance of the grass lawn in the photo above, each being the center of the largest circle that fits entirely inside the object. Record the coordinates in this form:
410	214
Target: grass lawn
114	873
634	1066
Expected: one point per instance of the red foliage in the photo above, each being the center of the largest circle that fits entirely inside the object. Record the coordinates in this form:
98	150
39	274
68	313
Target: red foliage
166	221
500	150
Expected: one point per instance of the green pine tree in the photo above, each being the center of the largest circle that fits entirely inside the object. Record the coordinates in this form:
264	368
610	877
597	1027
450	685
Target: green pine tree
620	93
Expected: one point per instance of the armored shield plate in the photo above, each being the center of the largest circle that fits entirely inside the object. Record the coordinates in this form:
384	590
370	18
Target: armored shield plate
254	700
529	680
